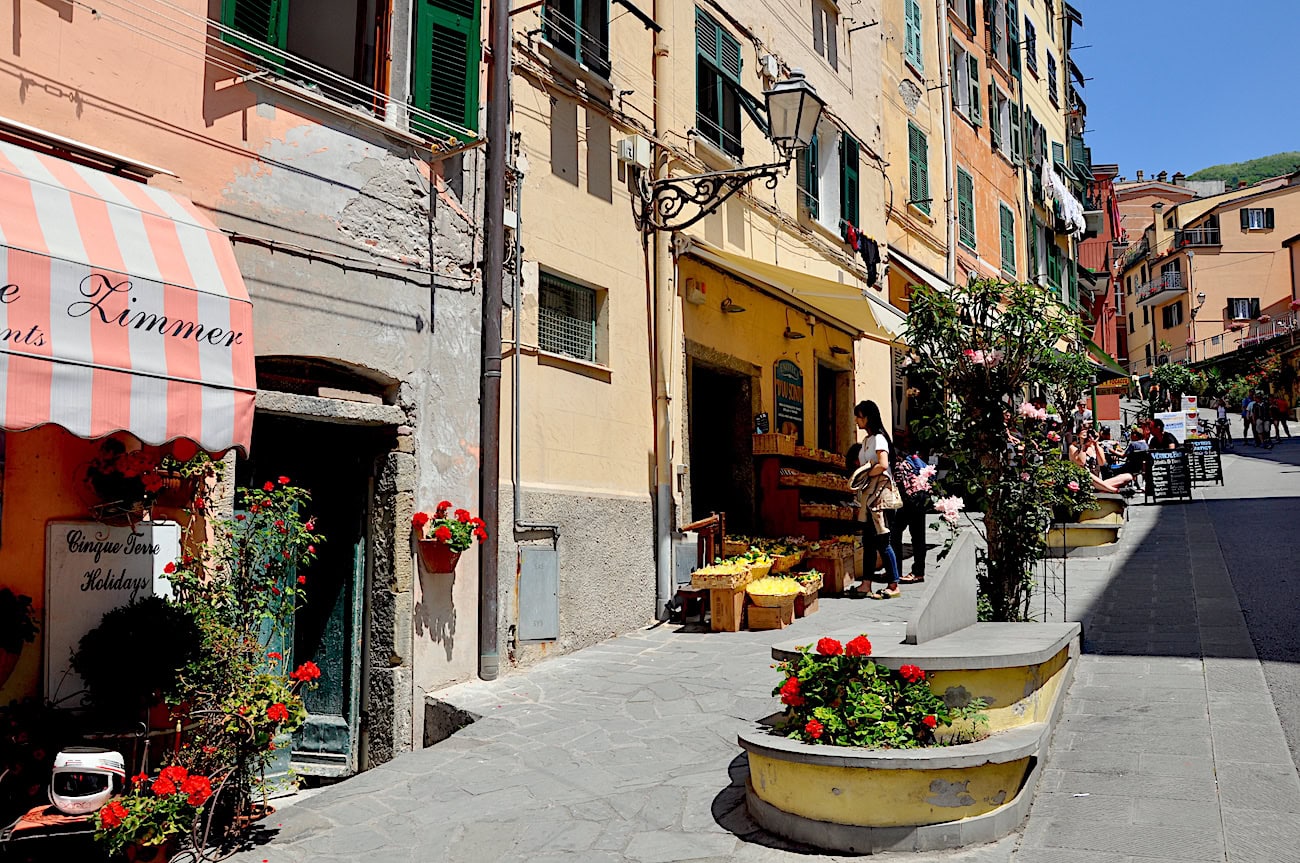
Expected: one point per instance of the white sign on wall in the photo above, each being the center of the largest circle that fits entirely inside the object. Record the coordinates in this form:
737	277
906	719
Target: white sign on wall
1176	424
90	569
1189	404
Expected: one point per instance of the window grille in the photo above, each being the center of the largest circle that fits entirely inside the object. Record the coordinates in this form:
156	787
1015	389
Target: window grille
566	318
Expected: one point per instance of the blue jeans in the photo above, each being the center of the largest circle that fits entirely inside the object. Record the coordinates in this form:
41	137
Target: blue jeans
873	543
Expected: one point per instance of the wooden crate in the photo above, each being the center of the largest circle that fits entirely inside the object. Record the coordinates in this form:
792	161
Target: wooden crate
805	604
774	444
837	573
778	617
727	609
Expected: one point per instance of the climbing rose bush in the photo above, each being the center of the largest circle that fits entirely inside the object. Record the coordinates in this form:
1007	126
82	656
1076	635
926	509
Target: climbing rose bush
837	696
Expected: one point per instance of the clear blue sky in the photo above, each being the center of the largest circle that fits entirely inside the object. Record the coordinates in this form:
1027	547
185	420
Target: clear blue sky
1180	85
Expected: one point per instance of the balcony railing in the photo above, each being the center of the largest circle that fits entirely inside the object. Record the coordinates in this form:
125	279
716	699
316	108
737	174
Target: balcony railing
1198	237
1166	283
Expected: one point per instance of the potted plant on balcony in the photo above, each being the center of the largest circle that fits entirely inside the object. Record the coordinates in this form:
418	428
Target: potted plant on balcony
17	627
440	538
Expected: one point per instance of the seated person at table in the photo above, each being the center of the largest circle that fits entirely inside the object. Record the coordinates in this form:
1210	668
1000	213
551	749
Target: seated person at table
1087	455
1161	439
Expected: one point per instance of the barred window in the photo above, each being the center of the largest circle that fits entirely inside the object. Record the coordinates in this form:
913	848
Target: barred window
566	318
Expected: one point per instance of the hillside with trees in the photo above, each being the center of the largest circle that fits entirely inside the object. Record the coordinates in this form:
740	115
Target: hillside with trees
1251	171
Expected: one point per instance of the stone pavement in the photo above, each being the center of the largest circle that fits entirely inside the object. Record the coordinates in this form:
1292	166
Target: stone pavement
1170	749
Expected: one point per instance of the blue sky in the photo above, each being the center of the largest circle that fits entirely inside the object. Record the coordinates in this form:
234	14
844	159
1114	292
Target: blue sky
1180	85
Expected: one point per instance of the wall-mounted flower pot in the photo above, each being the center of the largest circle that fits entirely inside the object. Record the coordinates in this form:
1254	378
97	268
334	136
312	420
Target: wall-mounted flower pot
437	556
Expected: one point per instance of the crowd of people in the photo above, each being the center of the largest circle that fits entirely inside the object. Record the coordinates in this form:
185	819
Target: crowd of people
1263	418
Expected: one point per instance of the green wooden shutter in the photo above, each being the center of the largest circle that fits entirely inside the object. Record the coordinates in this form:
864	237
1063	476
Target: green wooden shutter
849	152
809	185
718	66
1008	239
446	65
266	21
995	117
1017	138
717	46
1013	36
965	209
918	169
1269	218
975	115
912	34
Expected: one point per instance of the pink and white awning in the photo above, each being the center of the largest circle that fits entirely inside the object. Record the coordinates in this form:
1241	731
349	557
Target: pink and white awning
122	309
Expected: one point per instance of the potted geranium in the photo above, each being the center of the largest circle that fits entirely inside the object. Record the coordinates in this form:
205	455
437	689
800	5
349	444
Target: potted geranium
121	478
183	480
441	538
147	822
17	627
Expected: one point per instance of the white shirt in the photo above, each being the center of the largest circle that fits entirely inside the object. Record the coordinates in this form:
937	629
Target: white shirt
1222	412
870	449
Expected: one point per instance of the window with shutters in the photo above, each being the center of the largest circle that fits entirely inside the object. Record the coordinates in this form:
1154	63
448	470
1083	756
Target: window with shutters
1000	128
580	29
1013	37
1007	223
1031	46
849	158
825	27
1146	315
1130	324
1257	218
333	47
1148	353
965	209
1050	19
966	83
913	48
1243	308
717	85
809	179
1017	136
967	12
1172	315
446	64
918	169
1053	265
1053	85
568	318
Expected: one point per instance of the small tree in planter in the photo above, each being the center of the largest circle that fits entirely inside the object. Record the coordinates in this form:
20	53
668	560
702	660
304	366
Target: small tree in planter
442	538
987	344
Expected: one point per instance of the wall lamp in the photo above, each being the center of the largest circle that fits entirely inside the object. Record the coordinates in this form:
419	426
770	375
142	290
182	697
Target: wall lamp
674	203
730	308
789	333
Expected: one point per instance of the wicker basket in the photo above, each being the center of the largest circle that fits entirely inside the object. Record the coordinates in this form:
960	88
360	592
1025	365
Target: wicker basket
786	562
773	444
759	570
810	588
732	548
702	579
771	600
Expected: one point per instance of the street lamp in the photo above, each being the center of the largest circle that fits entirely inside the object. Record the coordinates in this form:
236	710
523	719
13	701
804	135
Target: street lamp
674	203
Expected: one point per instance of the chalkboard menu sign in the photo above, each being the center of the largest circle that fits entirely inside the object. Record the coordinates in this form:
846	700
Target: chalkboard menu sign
1168	476
1204	462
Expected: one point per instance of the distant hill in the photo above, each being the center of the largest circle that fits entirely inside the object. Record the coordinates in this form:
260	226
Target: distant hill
1251	171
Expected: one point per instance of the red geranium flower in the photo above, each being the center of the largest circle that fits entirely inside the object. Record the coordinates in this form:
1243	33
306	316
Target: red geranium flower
113	814
443	533
829	647
311	549
419	520
302	579
308	671
859	646
275	654
790	692
169	568
284	480
139	778
911	673
199	789
443	506
175	773
277	712
162	787
929	720
462	515
241	516
480	534
814	729
199	503
268	486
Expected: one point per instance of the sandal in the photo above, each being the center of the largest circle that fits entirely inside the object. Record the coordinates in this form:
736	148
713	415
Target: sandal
885	593
911	579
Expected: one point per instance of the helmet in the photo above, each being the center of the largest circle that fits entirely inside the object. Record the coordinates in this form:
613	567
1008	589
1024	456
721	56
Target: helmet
85	778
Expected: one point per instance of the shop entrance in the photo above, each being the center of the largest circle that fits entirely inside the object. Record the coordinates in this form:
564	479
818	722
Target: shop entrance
834	390
336	464
722	467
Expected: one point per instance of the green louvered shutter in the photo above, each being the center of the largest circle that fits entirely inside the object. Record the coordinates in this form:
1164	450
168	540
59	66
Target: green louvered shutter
918	169
717	76
1017	139
995	117
915	51
808	170
1013	37
975	115
446	66
849	152
1008	238
266	21
965	209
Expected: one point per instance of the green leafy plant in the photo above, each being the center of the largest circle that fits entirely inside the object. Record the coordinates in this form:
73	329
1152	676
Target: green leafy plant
17	621
458	530
837	696
153	811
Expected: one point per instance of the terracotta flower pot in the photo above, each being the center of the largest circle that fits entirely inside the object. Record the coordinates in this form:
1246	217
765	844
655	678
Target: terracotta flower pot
437	556
8	661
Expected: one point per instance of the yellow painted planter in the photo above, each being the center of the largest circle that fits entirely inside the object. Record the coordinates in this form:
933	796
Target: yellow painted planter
1016	696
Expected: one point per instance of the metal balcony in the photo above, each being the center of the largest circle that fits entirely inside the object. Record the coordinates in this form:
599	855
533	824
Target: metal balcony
1160	289
1198	237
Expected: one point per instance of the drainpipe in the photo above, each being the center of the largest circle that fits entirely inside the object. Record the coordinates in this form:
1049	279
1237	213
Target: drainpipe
663	340
494	247
949	170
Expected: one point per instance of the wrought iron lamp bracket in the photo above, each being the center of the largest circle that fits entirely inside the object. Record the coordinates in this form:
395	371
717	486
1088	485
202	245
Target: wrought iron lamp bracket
676	203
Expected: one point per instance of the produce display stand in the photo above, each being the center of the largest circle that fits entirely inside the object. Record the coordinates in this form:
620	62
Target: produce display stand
800	492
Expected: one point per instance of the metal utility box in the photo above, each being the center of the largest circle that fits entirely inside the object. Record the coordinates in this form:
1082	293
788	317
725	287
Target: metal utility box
539	593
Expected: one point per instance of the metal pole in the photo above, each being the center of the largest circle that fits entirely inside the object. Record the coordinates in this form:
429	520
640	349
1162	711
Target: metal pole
494	247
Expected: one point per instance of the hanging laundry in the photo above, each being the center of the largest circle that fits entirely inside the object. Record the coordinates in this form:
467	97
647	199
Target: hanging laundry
869	249
851	235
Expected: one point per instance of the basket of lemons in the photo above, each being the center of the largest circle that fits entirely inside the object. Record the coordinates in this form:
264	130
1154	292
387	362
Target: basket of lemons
723	575
772	592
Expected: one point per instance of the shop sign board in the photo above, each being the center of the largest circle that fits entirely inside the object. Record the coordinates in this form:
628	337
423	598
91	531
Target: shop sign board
1168	476
788	388
1203	459
90	569
1176	424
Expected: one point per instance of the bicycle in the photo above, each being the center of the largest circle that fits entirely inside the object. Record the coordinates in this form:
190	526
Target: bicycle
1223	433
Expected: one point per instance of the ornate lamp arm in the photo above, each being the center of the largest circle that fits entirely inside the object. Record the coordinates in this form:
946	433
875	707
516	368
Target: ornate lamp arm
675	203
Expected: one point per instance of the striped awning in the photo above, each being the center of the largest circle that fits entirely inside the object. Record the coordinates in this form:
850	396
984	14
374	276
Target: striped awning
122	309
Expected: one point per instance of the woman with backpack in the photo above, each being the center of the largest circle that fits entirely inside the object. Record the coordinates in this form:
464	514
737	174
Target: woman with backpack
914	488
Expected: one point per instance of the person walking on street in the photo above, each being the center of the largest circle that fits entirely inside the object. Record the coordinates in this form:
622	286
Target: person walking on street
1281	408
913	485
1261	419
875	457
1245	419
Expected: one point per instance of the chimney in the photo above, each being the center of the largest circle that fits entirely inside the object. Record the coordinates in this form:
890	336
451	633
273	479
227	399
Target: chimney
1180	179
1163	176
1139	176
1241	184
1159	207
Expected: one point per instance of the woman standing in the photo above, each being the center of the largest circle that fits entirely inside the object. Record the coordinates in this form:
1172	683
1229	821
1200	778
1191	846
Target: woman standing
875	456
